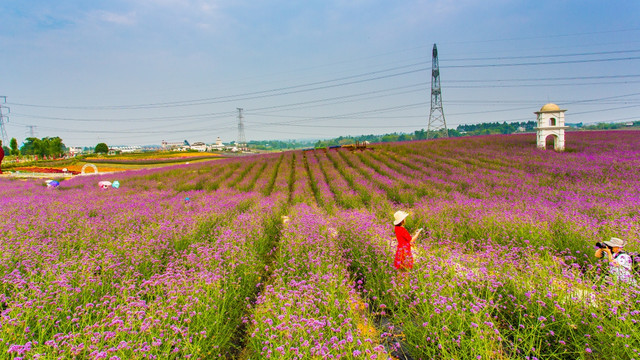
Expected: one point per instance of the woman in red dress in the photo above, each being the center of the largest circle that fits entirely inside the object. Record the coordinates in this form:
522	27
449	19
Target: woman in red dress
403	260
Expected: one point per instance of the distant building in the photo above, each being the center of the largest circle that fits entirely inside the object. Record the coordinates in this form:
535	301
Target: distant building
198	146
75	150
166	145
551	123
218	145
126	149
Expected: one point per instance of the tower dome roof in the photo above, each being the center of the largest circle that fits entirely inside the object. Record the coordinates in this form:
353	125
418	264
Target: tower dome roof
549	107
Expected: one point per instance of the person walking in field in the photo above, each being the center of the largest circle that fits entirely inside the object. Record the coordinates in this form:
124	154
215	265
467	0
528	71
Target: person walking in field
404	259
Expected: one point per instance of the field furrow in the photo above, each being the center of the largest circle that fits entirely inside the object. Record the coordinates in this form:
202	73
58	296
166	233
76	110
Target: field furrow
290	255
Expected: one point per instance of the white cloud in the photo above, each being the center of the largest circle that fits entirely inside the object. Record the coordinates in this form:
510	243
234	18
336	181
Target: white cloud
205	15
208	6
115	18
196	6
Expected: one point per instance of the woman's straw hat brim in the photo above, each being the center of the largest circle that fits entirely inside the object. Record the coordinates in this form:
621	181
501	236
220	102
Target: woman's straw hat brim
399	216
615	242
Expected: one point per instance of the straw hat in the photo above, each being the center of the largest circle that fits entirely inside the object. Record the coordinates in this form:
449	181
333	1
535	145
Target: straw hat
399	216
615	242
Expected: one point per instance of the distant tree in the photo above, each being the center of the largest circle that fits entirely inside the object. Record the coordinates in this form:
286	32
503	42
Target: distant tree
29	146
14	147
390	138
345	141
48	146
461	130
420	134
54	146
278	144
101	148
32	146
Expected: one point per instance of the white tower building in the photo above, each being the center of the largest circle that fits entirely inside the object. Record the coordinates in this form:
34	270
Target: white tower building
551	123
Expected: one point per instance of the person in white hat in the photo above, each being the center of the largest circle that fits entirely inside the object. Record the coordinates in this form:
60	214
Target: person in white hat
404	259
620	263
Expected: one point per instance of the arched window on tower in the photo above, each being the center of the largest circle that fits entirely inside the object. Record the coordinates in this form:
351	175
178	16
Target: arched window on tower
552	122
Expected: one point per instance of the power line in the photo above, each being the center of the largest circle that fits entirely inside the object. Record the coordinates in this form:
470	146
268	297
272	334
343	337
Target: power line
290	106
548	36
203	116
545	56
312	86
549	78
343	116
609	109
250	95
158	118
348	115
408	106
351	98
541	85
542	63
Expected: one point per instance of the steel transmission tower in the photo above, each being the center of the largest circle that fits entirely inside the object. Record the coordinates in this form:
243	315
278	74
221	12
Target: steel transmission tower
3	132
242	142
437	124
32	130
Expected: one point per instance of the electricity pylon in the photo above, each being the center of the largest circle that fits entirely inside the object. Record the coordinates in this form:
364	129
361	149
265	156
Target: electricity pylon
242	142
437	123
3	132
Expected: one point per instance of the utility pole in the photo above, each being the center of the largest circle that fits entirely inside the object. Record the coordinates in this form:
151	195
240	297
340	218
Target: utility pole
32	130
3	132
436	116
242	142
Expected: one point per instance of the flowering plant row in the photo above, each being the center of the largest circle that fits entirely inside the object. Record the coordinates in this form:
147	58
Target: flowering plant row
290	255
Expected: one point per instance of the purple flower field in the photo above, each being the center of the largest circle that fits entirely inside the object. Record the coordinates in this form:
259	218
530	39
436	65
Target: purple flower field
290	256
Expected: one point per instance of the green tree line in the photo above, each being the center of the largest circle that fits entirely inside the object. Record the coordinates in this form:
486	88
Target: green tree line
47	146
278	144
611	126
461	130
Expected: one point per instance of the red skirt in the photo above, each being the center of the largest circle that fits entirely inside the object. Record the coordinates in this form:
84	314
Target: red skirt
404	259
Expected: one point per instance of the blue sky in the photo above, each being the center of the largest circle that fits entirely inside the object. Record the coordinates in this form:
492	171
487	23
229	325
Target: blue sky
143	71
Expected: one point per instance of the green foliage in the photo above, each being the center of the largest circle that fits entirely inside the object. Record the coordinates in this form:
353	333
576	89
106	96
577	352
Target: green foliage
611	126
101	148
279	145
47	146
496	128
14	147
461	130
